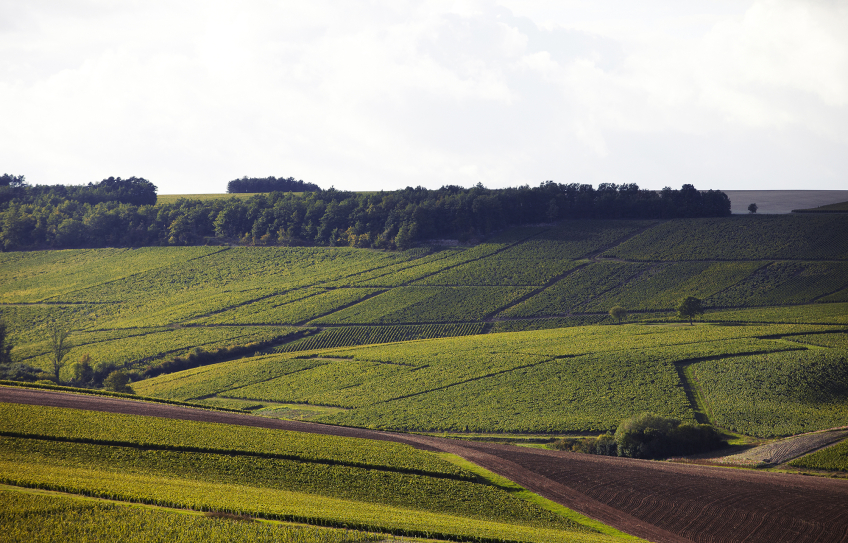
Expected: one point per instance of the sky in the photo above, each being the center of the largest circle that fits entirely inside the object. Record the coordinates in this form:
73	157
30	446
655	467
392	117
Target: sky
381	95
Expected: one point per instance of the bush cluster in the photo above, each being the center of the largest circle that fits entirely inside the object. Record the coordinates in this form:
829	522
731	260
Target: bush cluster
649	436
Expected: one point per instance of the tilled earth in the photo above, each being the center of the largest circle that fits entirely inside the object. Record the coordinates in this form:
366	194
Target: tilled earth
785	449
658	501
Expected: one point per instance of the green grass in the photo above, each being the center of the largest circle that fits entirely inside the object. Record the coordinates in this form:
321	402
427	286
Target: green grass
166	199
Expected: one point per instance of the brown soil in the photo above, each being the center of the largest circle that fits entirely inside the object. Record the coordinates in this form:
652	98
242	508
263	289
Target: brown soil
658	501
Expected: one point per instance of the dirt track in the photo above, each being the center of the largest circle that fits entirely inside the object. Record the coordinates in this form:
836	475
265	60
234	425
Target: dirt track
658	501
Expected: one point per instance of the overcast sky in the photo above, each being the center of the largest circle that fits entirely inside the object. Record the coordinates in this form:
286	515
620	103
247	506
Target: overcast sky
723	94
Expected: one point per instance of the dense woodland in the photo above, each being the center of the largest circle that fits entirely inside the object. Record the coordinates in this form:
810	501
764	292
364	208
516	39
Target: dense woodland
122	212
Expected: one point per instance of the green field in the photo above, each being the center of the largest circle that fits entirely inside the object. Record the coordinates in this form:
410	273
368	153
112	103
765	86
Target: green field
70	518
164	199
508	337
833	458
578	379
325	480
139	308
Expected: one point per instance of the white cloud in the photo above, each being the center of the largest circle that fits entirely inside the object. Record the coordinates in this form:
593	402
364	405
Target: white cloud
383	95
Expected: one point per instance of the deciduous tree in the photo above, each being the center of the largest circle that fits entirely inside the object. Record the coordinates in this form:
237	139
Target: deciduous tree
618	313
688	308
59	347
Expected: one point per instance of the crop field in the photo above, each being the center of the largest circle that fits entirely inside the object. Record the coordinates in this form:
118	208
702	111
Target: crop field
509	335
365	335
580	379
835	313
426	305
64	518
776	394
834	458
145	346
786	237
274	474
68	425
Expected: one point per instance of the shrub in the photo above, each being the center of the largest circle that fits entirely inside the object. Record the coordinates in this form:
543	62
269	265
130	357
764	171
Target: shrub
118	381
652	436
604	445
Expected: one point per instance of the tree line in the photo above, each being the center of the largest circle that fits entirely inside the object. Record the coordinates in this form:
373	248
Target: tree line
270	184
105	214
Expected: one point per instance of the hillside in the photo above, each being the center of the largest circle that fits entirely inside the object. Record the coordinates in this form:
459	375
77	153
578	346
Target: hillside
141	309
510	338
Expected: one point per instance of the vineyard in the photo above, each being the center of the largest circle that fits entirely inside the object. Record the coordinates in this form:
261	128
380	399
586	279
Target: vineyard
315	479
365	335
63	518
579	379
776	394
511	334
833	458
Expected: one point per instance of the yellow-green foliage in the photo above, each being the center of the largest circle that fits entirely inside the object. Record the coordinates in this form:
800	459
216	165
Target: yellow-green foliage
804	314
574	379
776	394
75	519
56	422
147	345
324	480
833	458
273	504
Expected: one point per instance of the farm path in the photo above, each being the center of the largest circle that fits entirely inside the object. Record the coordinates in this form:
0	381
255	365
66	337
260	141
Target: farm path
658	501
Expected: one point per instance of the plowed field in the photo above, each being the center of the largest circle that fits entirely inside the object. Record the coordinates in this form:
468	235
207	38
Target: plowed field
655	500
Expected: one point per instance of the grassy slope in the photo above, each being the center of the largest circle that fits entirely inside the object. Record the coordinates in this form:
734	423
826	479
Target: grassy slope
152	465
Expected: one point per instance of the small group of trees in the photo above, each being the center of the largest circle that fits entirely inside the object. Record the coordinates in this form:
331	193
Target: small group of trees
247	185
648	435
80	373
688	308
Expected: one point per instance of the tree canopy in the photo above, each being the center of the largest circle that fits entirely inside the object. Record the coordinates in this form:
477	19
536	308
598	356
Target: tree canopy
109	214
647	435
269	184
689	308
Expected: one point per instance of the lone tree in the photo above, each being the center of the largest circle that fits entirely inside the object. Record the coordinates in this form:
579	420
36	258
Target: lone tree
752	208
688	308
59	347
618	313
5	346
